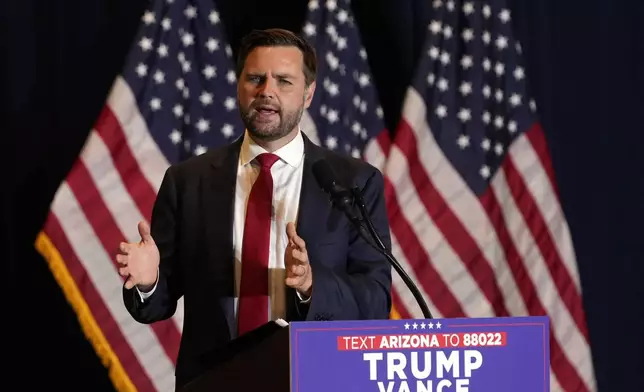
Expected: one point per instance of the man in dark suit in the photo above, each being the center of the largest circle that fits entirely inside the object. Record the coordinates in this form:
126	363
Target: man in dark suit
246	234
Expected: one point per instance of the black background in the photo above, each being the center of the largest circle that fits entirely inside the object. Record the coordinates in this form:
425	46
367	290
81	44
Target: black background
585	63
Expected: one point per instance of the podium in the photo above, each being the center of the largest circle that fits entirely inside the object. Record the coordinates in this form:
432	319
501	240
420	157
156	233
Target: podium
438	355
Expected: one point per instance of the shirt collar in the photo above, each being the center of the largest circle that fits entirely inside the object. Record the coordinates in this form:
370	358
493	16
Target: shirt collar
292	153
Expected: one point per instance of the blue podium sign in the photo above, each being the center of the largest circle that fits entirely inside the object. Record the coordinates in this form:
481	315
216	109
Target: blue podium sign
440	355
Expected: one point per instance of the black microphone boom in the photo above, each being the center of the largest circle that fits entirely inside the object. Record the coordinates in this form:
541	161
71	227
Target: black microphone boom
344	199
381	247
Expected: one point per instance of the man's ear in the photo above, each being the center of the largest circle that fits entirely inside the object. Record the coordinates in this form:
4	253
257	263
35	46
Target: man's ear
308	94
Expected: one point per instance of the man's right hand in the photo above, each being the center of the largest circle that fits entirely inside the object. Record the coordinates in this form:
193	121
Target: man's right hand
139	261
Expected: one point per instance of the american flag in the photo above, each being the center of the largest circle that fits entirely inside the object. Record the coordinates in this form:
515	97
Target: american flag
471	192
176	97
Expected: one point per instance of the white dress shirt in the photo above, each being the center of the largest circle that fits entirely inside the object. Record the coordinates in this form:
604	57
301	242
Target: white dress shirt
287	181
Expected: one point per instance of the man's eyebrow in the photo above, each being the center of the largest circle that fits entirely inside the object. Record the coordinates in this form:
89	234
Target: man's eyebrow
283	75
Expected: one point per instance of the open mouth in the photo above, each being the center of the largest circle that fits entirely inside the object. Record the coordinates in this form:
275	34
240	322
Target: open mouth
266	112
266	109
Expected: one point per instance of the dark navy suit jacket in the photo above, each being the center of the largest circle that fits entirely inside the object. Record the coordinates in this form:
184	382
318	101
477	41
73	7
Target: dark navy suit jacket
192	224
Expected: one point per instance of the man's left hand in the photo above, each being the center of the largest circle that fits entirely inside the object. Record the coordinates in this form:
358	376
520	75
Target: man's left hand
296	261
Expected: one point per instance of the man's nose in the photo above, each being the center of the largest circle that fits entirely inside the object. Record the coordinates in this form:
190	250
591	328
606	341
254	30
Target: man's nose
267	89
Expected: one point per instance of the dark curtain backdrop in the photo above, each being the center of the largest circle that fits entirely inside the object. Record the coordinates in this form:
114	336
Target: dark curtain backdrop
585	62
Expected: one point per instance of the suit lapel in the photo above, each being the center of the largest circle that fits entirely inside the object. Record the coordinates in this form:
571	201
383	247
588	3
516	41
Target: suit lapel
218	198
314	204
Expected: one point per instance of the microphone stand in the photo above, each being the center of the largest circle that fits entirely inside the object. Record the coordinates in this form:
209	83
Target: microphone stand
375	238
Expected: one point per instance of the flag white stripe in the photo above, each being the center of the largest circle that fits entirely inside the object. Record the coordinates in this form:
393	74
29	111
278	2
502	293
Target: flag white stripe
442	256
406	297
108	283
375	156
151	160
536	179
462	202
99	164
123	209
564	328
554	383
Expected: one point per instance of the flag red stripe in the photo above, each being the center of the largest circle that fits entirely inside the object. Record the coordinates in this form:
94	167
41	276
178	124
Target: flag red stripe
454	232
543	238
417	257
99	310
565	372
384	141
139	188
522	278
538	140
99	217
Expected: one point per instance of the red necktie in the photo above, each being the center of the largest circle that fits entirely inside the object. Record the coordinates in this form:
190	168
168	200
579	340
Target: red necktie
253	296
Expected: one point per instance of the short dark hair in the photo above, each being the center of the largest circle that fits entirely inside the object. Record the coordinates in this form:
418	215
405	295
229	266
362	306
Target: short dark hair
278	37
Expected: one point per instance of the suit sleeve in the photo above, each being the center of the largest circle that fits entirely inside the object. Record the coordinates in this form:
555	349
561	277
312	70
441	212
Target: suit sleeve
162	304
363	290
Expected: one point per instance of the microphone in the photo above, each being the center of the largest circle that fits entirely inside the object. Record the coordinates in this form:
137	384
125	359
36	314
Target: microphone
344	199
341	197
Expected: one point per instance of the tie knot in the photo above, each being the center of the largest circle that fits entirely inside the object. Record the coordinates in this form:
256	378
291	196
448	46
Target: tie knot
267	160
